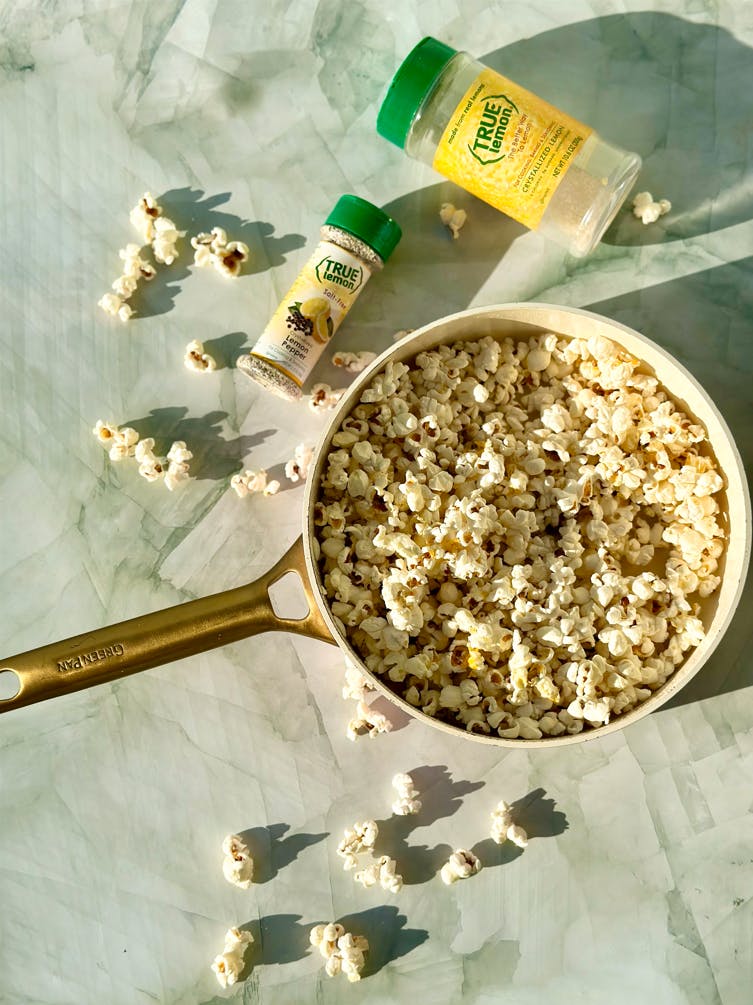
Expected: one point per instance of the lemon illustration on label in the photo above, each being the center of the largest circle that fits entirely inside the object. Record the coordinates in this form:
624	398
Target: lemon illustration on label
323	327
314	307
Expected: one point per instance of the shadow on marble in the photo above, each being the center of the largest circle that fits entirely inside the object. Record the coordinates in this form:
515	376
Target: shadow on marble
440	797
215	458
704	320
537	815
667	88
278	938
389	939
195	211
272	851
226	349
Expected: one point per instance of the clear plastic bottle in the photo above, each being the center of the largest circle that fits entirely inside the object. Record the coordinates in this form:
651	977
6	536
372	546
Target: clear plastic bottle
506	145
356	240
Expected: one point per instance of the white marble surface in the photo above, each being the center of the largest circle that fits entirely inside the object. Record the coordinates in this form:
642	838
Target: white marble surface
637	885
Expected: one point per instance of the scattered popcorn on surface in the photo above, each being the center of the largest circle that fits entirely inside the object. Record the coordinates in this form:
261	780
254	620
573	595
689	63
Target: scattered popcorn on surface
382	873
237	866
460	865
356	685
297	468
402	333
354	362
143	215
343	952
503	827
452	218
358	838
407	801
516	536
647	210
271	488
250	482
367	720
229	964
196	359
213	249
323	398
113	304
105	432
164	243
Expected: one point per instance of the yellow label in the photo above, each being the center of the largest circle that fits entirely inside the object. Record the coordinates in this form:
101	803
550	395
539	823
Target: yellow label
508	147
312	310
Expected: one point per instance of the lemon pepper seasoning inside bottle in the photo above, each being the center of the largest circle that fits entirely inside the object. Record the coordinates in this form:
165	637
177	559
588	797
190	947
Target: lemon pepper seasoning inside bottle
357	239
506	145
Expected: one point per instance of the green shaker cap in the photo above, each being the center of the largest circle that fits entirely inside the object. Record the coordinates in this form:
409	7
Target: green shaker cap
367	222
414	79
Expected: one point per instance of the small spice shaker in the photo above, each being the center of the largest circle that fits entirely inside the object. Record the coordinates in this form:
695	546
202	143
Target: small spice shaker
357	239
506	145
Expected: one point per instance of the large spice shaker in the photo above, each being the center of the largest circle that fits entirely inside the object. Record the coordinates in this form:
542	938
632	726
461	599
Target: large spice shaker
357	238
506	145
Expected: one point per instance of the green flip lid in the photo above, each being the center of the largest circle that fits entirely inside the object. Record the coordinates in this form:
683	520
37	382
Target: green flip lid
367	222
414	79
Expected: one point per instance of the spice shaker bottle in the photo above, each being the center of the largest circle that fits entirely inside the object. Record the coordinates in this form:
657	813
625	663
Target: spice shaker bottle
357	239
506	145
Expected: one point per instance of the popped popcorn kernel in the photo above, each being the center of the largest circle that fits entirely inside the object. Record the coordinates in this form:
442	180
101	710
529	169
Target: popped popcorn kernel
237	865
367	720
453	219
407	802
250	482
143	215
504	828
196	359
353	362
380	873
213	249
324	398
647	209
229	964
357	839
461	865
115	305
297	468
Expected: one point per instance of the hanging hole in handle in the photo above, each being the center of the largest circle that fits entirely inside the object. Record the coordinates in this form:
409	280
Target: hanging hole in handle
10	683
288	598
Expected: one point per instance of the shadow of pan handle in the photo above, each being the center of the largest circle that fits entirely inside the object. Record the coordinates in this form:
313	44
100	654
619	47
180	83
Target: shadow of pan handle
108	654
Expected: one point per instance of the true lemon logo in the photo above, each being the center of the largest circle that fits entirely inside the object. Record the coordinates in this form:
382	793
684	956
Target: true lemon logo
495	118
329	270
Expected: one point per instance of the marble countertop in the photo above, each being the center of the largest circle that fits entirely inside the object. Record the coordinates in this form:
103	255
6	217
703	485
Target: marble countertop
637	884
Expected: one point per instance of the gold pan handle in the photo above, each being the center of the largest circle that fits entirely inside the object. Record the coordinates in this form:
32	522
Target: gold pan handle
107	654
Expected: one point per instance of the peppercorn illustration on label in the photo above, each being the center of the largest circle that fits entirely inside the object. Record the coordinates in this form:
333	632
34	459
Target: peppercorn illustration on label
508	147
311	311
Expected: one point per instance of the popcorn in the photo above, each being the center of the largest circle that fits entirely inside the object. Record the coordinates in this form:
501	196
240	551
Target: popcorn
381	872
238	865
175	475
143	215
367	720
179	453
358	838
229	964
407	801
356	685
402	334
165	238
461	865
124	443
105	432
647	210
113	304
452	218
354	362
324	398
485	521
503	827
250	482
213	249
196	359
297	468
343	952
271	488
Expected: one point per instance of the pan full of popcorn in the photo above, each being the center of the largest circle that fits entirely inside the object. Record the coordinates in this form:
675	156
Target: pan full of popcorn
525	524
